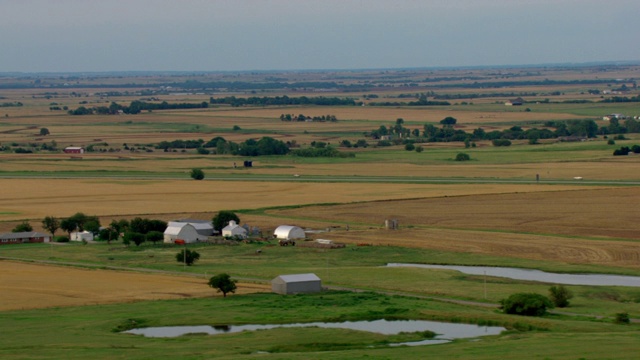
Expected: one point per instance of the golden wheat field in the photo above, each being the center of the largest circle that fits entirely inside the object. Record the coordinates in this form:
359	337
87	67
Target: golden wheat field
30	286
37	198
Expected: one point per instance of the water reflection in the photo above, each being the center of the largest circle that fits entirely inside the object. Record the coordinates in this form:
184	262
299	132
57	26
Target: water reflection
446	331
536	275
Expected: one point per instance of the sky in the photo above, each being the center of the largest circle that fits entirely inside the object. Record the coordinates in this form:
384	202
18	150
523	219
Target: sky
244	35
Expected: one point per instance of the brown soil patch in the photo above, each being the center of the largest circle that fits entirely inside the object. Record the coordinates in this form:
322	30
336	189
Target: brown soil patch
30	286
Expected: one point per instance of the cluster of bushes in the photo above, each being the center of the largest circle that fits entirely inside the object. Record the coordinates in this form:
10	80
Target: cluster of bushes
532	304
625	150
360	143
11	104
328	151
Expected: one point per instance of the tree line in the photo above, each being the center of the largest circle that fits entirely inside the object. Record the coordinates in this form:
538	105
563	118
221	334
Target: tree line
282	100
584	128
135	107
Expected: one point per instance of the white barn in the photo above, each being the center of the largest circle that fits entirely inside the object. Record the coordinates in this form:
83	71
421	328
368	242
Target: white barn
296	283
234	230
185	232
288	232
203	227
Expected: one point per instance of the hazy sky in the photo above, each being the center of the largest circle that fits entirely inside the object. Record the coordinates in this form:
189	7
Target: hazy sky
210	35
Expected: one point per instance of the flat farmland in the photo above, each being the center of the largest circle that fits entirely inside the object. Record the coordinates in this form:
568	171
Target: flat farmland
33	286
594	212
37	198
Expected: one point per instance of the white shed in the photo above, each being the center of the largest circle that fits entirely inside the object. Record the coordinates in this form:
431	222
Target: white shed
185	232
296	283
288	232
234	230
81	235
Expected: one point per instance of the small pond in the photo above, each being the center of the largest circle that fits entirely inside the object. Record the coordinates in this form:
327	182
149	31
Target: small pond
446	331
536	275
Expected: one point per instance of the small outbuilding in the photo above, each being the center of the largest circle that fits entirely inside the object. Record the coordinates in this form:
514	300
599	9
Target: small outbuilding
81	235
73	150
288	232
234	230
296	283
186	233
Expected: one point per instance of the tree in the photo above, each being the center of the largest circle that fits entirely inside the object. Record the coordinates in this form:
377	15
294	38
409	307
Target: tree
560	296
222	219
448	121
463	157
44	131
23	227
51	224
68	225
155	236
92	226
223	283
191	257
197	174
528	304
135	237
108	234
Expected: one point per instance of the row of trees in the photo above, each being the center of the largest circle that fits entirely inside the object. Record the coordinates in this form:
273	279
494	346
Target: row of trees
301	117
282	100
135	107
220	146
553	129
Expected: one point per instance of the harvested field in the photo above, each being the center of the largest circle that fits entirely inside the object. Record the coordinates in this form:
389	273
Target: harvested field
29	286
37	198
584	213
623	254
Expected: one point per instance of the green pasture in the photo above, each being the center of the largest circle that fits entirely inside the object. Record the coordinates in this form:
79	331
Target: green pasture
354	267
94	332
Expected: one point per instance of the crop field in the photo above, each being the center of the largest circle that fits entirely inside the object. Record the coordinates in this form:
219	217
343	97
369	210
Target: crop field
32	286
552	205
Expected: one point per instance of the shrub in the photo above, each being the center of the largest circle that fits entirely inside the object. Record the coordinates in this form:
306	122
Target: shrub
560	296
62	239
622	318
501	142
197	174
409	147
527	304
191	257
419	149
463	157
611	142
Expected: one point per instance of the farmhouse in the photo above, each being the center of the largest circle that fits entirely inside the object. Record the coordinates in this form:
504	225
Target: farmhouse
296	283
73	150
288	232
24	237
184	233
234	230
203	227
81	235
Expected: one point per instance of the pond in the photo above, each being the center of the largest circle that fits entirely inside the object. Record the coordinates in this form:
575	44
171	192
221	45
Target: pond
536	275
446	331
